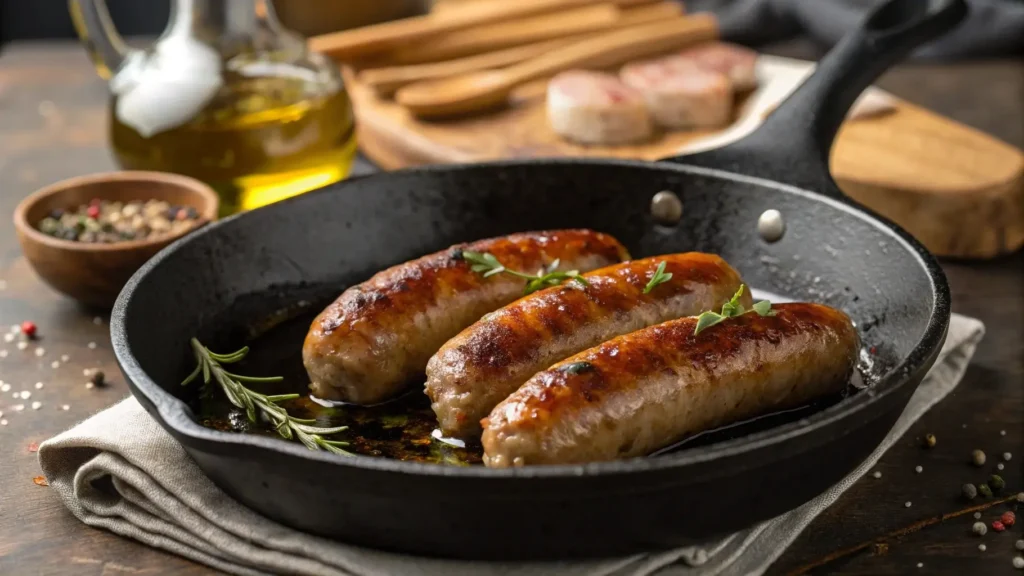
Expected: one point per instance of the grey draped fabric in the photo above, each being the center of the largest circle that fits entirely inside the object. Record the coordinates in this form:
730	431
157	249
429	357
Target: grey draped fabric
992	28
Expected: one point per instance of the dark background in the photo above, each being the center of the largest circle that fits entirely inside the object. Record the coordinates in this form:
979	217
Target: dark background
35	19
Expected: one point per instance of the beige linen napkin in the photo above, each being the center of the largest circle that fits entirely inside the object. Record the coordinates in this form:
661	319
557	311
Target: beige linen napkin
119	470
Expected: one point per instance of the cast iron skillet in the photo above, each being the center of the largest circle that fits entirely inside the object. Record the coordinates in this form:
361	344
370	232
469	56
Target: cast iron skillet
312	246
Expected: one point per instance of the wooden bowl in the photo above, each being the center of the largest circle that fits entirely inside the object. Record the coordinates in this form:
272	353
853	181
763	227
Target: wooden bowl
95	273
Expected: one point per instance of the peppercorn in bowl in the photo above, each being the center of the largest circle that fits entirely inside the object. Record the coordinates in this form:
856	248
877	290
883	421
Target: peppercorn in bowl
86	236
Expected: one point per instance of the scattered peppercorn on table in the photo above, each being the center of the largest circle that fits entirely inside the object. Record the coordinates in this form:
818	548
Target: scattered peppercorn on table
57	367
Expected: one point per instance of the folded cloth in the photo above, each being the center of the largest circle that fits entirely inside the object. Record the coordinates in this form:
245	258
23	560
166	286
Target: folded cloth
121	471
992	27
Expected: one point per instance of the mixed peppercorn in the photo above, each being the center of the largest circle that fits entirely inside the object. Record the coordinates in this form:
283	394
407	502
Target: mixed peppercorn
102	221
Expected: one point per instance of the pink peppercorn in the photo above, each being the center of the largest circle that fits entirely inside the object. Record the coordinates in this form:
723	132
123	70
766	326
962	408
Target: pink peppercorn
93	211
998	526
28	329
1008	518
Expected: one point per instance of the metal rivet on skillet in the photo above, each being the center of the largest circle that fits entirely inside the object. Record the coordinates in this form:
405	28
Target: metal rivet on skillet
771	226
666	208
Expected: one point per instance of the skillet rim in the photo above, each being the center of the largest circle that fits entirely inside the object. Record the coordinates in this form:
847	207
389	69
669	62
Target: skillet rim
173	416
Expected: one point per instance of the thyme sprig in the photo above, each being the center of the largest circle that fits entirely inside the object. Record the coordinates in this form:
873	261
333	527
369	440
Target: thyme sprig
731	309
487	264
210	365
659	277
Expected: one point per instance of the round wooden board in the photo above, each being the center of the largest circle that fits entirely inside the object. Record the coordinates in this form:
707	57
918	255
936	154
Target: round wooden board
957	190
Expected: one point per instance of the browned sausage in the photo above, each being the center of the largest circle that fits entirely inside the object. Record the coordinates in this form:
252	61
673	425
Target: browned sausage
651	388
486	362
376	338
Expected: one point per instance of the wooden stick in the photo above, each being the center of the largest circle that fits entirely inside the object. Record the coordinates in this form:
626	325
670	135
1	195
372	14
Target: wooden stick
529	30
361	42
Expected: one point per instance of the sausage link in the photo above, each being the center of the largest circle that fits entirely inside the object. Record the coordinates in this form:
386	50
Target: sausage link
373	341
651	388
486	362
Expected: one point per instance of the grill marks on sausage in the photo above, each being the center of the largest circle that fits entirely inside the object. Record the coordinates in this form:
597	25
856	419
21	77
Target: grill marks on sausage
477	369
384	330
650	388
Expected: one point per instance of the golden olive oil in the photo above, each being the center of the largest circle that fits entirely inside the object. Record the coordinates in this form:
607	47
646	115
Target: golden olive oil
257	140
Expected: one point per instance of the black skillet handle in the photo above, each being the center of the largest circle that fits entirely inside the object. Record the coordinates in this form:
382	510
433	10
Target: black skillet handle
794	142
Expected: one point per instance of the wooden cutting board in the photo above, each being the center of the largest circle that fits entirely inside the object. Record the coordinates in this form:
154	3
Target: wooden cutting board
957	190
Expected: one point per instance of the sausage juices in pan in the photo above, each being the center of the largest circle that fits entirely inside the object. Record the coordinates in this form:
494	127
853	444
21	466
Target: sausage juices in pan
486	362
376	338
651	388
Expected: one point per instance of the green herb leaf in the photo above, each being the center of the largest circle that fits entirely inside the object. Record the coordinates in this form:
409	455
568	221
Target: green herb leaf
209	364
732	309
707	320
763	308
488	265
659	277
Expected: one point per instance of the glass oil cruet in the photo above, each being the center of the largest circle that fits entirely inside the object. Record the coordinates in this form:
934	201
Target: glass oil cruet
225	95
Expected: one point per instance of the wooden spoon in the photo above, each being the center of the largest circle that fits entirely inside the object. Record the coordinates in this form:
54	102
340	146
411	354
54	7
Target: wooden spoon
367	40
481	90
385	81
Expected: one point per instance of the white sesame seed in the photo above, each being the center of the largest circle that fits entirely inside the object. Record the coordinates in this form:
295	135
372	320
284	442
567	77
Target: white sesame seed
18	407
5	387
1007	456
964	426
920	564
64	357
8	337
877	474
25	394
1000	466
40	351
65	407
906	504
1018	562
89	385
3	422
918	469
982	547
22	345
1002	432
977	515
39	385
92	345
16	395
55	364
97	320
36	405
1	413
15	328
3	353
1019	545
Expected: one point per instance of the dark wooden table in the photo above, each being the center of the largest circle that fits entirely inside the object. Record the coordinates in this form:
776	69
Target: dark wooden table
52	126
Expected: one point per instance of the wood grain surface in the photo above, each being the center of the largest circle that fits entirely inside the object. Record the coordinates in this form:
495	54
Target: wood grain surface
956	189
52	126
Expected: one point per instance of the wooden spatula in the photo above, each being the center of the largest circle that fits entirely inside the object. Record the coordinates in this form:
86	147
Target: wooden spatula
386	80
482	90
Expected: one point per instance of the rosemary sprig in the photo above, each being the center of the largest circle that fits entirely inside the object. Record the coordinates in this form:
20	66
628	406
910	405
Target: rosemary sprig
659	277
487	264
731	309
210	365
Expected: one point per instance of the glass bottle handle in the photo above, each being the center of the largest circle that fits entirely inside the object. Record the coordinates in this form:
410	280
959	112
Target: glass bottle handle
96	30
